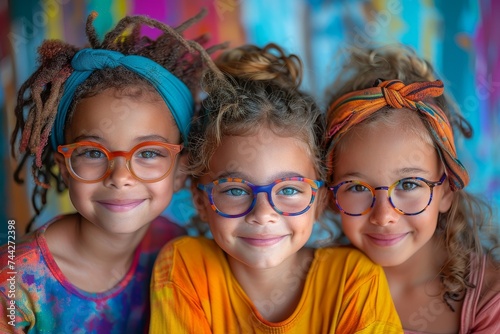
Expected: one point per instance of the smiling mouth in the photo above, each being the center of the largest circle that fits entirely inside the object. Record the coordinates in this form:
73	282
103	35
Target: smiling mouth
386	240
262	241
121	206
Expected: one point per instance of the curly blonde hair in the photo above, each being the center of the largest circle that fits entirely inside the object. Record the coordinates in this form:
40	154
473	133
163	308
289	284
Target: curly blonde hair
469	220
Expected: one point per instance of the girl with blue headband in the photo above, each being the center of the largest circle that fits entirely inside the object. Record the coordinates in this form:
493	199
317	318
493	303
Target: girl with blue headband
256	165
113	118
397	188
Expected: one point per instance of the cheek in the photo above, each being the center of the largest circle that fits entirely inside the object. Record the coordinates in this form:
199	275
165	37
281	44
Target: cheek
80	194
163	190
221	228
350	228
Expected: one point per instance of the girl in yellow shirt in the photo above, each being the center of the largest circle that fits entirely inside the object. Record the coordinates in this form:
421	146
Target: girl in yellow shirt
255	162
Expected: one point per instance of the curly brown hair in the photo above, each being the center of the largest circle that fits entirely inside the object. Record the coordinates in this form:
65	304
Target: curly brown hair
41	93
258	87
469	220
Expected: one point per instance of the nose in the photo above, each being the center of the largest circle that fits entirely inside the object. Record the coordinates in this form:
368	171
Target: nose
120	176
262	213
382	212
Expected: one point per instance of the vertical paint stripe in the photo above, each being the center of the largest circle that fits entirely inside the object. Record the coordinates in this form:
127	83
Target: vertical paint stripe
152	8
55	27
120	10
104	21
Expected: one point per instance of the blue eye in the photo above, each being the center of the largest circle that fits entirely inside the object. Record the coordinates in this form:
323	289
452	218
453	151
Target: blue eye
149	154
235	192
288	191
91	154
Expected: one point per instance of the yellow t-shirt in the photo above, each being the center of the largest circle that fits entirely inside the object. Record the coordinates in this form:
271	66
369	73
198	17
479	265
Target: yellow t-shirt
194	291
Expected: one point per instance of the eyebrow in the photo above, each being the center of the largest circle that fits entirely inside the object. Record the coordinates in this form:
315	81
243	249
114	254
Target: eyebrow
406	171
412	170
138	139
88	137
241	175
152	138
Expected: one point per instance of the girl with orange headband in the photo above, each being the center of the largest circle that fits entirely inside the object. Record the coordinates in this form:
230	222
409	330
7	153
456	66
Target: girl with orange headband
397	186
113	118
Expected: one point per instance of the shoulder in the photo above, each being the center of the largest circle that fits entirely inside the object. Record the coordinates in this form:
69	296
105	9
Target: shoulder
24	252
187	245
481	309
184	256
161	231
348	264
347	256
489	297
32	255
23	262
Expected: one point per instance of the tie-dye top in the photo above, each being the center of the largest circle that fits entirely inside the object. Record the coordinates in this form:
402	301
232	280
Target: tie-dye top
46	302
194	291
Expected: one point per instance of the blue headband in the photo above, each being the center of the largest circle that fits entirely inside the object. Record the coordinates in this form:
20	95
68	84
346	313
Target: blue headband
173	91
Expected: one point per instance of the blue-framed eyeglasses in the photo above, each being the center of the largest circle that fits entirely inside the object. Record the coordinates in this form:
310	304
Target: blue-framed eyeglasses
235	197
409	196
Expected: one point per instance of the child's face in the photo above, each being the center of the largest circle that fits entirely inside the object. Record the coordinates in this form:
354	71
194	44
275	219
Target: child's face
380	156
262	238
121	203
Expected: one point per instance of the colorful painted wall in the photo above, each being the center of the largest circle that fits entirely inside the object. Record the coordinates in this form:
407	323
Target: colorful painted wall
458	37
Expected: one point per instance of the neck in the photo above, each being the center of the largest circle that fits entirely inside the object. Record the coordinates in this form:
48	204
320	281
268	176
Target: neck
90	257
416	289
420	269
275	291
106	248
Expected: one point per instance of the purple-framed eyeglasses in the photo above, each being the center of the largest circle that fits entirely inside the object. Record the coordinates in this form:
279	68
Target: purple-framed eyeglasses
409	196
235	197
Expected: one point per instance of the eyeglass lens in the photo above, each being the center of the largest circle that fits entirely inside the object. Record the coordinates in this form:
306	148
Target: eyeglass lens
410	195
147	162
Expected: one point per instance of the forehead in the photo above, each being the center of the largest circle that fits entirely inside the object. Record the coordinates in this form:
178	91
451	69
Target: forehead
116	116
392	143
262	157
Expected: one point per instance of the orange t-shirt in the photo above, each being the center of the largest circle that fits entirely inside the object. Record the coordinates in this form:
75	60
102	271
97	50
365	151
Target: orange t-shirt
194	291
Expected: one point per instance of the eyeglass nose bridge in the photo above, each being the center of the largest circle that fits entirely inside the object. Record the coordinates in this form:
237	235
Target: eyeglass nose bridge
388	188
267	189
111	161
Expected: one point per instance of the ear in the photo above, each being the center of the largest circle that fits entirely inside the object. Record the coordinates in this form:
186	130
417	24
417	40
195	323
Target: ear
200	201
180	174
446	198
59	158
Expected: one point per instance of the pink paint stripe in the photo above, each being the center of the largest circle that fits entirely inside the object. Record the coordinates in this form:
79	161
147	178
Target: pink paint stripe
152	8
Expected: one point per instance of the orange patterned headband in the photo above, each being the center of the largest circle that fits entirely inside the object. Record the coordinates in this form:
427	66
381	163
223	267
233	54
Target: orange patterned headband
352	108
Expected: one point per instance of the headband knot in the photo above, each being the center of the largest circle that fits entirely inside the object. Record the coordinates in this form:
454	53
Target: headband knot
353	108
173	91
96	59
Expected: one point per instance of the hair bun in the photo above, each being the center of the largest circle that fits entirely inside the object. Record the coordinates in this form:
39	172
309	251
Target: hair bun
270	63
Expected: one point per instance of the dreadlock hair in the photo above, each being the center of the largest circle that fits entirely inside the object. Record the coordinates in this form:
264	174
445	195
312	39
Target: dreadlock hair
467	229
42	91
